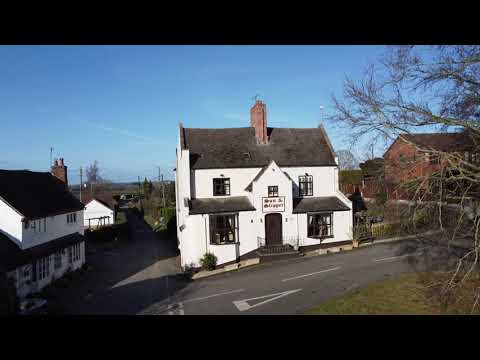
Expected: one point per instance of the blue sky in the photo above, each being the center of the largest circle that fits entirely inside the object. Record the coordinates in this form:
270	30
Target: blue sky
121	105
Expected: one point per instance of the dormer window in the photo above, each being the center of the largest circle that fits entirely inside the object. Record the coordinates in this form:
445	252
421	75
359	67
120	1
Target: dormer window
221	186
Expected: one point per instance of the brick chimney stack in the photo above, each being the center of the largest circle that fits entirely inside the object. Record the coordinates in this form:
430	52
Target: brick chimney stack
258	120
59	170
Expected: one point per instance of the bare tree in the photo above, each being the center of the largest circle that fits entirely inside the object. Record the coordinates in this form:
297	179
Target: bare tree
93	175
426	89
346	160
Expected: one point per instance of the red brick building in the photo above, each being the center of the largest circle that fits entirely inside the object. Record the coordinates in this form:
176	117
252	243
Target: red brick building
414	155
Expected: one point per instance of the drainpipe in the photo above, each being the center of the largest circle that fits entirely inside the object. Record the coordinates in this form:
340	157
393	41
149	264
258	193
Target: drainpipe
298	235
206	236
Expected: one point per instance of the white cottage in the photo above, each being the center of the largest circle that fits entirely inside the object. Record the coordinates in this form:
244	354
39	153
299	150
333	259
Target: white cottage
41	228
257	191
98	213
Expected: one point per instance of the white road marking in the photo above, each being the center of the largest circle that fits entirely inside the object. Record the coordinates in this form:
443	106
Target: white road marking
314	273
416	253
397	257
243	305
214	295
181	309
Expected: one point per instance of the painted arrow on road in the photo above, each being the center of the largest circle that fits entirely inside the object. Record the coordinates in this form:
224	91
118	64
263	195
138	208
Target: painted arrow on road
243	305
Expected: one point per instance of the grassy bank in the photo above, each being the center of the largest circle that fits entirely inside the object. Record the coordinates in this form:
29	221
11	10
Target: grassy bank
411	294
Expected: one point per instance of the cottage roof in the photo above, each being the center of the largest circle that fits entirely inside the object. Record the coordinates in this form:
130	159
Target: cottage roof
36	194
219	205
238	148
446	142
103	198
322	203
11	256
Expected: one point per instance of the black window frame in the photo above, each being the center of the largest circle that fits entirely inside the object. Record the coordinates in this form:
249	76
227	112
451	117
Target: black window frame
273	191
57	260
305	181
221	187
313	231
220	230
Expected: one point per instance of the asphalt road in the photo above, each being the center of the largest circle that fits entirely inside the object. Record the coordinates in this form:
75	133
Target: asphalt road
292	286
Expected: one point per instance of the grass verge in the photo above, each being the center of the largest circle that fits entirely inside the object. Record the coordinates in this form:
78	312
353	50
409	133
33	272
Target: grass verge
410	294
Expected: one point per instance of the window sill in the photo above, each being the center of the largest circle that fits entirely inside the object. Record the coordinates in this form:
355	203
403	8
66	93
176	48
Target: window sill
320	237
221	244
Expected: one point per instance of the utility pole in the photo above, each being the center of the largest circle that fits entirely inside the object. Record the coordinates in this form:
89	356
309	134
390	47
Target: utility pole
81	183
163	193
139	186
51	151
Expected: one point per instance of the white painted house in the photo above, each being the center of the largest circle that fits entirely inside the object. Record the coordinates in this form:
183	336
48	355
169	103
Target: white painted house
41	227
98	213
257	191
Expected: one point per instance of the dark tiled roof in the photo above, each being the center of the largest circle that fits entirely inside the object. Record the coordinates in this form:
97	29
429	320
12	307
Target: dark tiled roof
11	256
36	194
213	205
102	198
446	142
260	173
358	204
325	203
237	148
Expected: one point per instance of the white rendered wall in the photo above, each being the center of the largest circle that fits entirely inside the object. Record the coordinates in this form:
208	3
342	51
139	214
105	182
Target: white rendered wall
94	210
24	288
323	179
10	223
57	227
202	181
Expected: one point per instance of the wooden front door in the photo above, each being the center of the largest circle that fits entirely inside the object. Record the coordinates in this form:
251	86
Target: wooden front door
273	229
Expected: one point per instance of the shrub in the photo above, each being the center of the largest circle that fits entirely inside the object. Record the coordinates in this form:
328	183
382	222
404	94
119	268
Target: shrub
421	218
208	261
381	198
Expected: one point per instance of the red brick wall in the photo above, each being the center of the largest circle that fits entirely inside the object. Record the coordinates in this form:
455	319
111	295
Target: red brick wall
414	166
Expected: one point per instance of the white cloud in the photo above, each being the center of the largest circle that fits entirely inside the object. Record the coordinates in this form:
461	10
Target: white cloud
122	132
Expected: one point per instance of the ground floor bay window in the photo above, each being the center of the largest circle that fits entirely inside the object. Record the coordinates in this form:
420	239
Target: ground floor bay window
223	229
320	225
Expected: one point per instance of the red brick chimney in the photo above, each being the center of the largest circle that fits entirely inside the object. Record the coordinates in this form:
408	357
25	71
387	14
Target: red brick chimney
59	170
258	120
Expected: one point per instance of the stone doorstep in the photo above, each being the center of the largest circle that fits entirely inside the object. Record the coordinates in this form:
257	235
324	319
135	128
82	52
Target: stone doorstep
231	267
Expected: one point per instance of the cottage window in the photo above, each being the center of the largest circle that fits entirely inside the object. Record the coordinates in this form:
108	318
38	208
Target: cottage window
43	268
26	223
71	218
76	252
223	229
320	225
26	274
475	158
58	260
221	186
272	191
70	255
305	185
466	156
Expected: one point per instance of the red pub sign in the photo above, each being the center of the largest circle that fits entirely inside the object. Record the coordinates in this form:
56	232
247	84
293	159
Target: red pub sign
273	204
